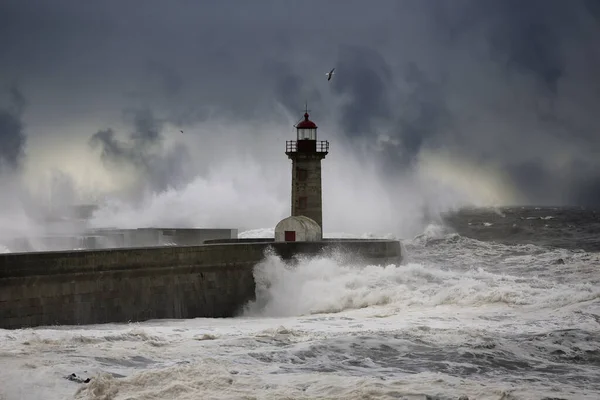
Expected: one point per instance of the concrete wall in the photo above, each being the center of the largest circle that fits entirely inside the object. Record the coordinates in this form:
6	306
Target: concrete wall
136	284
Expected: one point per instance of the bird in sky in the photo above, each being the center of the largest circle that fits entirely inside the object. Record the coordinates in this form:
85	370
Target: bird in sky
330	74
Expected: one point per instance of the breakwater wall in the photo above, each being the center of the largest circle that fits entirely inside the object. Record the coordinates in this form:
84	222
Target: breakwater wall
137	284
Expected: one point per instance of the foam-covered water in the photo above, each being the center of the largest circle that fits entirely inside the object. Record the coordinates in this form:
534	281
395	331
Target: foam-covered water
462	317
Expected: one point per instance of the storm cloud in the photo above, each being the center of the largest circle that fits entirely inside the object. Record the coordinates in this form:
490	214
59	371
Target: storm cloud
499	85
12	136
144	150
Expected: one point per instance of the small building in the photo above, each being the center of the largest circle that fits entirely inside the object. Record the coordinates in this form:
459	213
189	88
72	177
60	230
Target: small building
298	229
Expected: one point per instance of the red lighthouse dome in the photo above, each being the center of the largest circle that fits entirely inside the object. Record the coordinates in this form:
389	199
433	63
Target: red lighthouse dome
306	124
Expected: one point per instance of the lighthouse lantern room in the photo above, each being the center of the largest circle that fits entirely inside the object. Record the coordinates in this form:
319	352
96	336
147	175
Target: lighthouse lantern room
307	130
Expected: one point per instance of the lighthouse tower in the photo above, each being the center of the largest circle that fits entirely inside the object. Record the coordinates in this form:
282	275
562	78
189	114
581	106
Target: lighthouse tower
306	153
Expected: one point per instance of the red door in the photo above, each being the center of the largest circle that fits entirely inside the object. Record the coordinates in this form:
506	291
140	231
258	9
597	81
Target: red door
290	236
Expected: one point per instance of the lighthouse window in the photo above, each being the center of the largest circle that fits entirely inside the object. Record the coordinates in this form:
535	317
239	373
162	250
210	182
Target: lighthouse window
301	174
307	134
302	202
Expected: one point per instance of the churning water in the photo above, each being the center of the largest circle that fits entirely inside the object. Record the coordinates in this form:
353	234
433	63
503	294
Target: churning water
513	317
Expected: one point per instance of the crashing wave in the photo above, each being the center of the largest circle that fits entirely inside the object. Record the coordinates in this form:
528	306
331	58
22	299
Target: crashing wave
434	233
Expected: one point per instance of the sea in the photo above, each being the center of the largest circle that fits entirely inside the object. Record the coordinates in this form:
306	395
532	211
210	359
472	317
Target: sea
491	303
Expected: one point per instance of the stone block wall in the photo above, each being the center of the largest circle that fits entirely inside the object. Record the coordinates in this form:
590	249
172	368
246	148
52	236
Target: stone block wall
307	196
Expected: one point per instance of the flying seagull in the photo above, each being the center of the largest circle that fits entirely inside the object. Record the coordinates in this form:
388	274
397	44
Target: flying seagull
330	74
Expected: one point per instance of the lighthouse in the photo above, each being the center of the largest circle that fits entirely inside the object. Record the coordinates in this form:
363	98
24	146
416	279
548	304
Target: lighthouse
306	153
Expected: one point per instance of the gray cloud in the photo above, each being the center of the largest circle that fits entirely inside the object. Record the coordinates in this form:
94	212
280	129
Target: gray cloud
410	111
12	136
498	82
364	78
424	112
519	54
290	89
144	151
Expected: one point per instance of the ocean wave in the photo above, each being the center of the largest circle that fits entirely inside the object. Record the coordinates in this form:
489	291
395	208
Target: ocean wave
433	233
220	380
50	339
258	233
329	285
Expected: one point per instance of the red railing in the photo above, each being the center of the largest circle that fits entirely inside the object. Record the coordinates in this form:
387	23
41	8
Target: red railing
307	146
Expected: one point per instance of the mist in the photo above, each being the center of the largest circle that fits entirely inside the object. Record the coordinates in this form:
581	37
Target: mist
176	114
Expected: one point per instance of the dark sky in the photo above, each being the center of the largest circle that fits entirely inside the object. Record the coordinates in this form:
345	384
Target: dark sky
499	91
